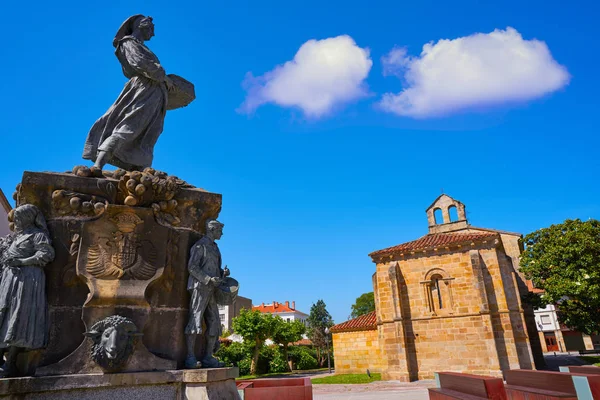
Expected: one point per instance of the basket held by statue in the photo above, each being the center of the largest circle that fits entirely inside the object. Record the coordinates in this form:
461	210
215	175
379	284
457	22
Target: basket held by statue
182	94
227	291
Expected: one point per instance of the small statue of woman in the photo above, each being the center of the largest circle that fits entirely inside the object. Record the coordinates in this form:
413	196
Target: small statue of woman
126	134
23	307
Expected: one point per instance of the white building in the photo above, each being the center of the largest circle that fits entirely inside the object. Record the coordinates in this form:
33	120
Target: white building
284	310
549	329
557	337
227	313
4	210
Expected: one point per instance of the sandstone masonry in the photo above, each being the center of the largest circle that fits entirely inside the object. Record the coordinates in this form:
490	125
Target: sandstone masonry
450	301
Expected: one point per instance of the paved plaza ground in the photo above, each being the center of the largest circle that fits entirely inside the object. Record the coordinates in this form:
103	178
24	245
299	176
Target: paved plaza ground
376	390
409	391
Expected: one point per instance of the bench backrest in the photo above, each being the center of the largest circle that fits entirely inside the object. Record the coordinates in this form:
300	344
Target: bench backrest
278	382
277	389
545	380
481	386
581	369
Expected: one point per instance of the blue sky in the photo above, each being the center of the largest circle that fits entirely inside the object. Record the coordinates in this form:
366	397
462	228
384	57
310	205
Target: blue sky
306	198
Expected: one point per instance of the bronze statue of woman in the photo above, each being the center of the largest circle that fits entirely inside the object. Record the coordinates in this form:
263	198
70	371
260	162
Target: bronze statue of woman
126	134
23	307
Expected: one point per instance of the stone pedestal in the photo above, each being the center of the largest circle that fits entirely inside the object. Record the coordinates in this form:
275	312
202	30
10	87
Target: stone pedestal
202	384
122	242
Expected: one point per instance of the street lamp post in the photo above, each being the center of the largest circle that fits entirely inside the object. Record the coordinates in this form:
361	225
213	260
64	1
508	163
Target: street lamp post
327	341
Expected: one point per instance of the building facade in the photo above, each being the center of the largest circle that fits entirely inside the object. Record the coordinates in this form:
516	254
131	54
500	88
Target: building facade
4	210
556	337
449	300
286	311
229	312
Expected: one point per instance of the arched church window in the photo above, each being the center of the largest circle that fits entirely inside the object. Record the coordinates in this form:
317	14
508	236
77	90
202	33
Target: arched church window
436	292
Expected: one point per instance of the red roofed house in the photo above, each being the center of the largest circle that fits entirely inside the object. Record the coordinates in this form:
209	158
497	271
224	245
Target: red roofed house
449	301
4	210
284	310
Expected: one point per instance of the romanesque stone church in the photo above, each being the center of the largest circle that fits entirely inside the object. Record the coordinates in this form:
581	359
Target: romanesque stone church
450	300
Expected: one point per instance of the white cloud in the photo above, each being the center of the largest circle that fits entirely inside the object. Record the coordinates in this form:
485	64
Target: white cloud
479	70
323	74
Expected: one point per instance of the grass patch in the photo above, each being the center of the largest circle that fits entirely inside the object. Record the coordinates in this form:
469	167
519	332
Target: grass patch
591	360
347	379
296	371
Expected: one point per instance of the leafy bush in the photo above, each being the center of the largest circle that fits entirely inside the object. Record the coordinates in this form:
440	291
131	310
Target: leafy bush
233	354
303	357
244	366
236	355
307	362
278	363
267	353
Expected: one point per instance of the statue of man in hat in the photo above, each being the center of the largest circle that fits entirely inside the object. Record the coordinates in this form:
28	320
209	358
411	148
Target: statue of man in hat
206	275
126	134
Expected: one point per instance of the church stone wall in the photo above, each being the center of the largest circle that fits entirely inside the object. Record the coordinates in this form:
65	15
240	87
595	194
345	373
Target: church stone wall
355	352
479	328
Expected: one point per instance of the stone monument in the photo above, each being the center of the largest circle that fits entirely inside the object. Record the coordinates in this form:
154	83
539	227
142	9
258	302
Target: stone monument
119	272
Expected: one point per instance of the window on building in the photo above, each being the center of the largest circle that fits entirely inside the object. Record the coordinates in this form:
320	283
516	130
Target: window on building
545	319
222	317
436	292
287	320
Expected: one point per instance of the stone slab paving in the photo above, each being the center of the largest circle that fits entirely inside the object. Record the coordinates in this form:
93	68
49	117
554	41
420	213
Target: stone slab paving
374	391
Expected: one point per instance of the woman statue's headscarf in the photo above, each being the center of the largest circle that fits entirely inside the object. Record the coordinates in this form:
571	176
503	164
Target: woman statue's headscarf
32	215
127	28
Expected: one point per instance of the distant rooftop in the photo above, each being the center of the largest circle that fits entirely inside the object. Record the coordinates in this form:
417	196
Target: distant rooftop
275	308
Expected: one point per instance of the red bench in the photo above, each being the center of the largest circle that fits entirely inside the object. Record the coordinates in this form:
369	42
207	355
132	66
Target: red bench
587	386
581	369
453	385
276	389
524	384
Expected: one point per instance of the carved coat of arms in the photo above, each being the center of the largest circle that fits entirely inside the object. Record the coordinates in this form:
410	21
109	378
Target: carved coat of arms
122	255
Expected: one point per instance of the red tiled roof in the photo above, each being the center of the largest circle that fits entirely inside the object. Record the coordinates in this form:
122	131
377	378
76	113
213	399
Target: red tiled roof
435	240
533	289
303	342
365	322
275	308
270	308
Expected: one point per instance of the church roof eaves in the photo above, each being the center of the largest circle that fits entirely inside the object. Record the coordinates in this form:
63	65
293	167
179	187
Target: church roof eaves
435	240
366	322
496	230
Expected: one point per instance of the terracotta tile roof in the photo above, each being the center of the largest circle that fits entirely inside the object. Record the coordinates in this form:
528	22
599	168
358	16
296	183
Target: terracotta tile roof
270	308
303	342
275	308
365	322
533	289
435	240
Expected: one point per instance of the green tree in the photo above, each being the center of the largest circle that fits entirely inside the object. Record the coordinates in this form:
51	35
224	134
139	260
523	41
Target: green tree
319	319
285	333
564	261
365	303
255	327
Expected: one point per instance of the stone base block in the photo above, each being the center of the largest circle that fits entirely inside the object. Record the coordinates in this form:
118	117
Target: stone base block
201	384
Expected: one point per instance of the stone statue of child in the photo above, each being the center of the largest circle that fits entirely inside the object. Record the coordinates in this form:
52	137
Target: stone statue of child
23	307
206	275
